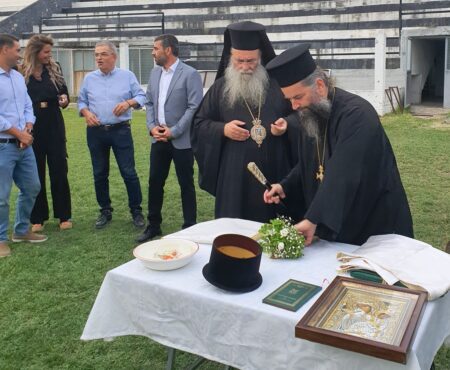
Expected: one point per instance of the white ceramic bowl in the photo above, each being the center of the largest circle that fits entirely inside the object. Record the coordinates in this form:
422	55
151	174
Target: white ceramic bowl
166	254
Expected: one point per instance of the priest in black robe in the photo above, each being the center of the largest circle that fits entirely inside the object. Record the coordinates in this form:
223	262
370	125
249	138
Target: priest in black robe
240	120
347	173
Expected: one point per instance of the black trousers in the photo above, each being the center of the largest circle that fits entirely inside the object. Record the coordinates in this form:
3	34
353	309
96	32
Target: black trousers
55	154
161	156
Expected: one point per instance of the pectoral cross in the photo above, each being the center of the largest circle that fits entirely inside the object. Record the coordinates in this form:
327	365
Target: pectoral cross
320	173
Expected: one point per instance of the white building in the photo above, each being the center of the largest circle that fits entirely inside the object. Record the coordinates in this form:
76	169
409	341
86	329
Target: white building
369	45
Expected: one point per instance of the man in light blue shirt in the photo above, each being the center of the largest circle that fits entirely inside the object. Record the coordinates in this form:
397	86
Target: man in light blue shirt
105	99
17	162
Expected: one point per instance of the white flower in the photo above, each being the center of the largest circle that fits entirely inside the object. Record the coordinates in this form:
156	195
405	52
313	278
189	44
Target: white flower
284	232
280	246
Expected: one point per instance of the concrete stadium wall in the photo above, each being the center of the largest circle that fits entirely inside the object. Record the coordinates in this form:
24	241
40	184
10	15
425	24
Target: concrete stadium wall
342	33
29	17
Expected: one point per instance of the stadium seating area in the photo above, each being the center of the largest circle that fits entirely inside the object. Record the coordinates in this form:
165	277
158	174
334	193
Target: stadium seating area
10	7
341	32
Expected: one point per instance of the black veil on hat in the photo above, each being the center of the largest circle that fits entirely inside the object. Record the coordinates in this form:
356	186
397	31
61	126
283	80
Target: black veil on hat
245	35
292	65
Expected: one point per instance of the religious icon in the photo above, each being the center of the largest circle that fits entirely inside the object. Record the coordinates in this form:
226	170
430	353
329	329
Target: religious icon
258	132
378	320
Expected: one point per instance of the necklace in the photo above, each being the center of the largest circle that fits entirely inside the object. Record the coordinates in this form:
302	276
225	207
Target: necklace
320	174
321	171
258	131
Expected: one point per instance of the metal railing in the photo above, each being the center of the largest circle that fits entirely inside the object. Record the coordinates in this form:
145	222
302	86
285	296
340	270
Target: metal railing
117	22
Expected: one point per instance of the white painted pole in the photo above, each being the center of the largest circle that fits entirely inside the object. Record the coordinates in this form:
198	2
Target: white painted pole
380	71
124	56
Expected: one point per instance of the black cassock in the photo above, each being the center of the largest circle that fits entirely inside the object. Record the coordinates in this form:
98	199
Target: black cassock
361	193
223	162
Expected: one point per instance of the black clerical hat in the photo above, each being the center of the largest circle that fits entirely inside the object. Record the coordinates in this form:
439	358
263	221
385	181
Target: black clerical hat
245	36
232	273
292	65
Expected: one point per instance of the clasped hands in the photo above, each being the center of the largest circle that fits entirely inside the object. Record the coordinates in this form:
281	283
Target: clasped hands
234	131
304	227
161	133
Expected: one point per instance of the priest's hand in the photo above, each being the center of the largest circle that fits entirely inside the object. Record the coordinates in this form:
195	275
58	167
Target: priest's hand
307	229
274	194
232	131
279	127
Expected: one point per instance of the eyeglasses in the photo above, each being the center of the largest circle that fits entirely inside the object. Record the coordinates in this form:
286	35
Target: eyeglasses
102	55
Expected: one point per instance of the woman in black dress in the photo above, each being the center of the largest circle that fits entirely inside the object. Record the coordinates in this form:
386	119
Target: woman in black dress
48	91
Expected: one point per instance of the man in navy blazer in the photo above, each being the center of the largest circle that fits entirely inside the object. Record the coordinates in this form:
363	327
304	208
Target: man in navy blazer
174	92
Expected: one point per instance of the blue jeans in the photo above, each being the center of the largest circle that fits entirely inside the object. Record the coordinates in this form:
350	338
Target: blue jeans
100	142
19	166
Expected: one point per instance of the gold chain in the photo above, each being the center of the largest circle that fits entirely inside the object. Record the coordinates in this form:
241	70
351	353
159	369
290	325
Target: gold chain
321	172
259	109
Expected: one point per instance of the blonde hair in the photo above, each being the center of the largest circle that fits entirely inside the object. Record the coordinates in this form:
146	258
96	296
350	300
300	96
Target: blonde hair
30	61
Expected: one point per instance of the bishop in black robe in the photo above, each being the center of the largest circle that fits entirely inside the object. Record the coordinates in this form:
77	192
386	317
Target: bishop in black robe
361	193
223	162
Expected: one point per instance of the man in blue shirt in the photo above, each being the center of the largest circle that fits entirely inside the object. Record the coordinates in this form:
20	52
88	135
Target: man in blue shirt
105	99
17	162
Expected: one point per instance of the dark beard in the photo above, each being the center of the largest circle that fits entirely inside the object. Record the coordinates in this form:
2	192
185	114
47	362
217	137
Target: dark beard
315	118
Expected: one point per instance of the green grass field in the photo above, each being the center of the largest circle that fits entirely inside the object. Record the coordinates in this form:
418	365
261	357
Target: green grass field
47	290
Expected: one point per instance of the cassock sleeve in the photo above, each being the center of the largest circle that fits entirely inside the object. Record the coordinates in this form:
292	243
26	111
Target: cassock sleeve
353	164
292	182
293	136
207	138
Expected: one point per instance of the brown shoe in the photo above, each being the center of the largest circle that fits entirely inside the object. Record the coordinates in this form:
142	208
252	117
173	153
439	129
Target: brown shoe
65	225
5	251
29	237
37	228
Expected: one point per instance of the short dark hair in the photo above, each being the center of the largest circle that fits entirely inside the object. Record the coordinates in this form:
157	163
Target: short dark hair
8	40
169	41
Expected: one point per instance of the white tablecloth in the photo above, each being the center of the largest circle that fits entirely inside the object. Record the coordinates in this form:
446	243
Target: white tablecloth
182	310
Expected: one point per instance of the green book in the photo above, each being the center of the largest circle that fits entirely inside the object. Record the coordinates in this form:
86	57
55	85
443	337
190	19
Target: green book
292	295
372	276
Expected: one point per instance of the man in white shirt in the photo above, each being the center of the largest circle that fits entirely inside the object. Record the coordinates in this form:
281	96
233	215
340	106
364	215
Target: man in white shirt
173	95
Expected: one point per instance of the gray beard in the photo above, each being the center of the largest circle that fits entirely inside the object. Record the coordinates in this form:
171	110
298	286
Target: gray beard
315	117
242	86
